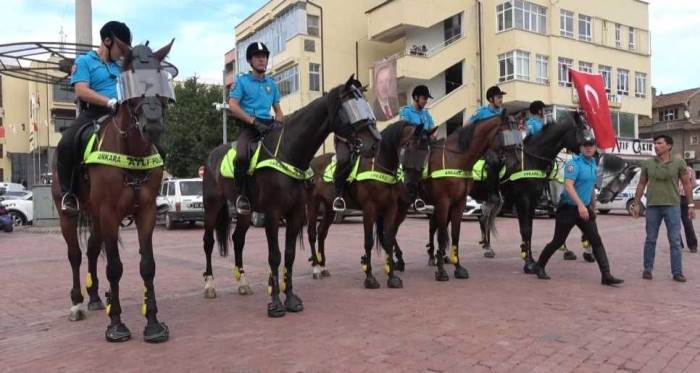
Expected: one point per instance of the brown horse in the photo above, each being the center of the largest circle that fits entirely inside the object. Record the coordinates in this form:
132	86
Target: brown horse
122	180
378	192
449	182
281	194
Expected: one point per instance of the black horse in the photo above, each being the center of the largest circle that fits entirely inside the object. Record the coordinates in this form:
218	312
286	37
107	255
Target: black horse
280	192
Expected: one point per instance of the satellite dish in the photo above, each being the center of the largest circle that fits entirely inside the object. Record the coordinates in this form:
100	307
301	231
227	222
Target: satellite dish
47	62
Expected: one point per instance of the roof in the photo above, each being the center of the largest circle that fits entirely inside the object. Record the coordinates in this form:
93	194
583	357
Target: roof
674	98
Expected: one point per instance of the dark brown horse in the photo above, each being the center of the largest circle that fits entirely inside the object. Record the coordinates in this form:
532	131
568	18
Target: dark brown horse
122	179
378	192
449	180
278	195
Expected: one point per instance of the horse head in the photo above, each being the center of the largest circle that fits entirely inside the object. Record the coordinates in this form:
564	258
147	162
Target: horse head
614	175
144	88
354	120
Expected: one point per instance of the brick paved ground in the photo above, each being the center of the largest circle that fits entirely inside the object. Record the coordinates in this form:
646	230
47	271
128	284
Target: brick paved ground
499	320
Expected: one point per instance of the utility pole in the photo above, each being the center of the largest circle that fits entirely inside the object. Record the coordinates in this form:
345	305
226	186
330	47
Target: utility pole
83	22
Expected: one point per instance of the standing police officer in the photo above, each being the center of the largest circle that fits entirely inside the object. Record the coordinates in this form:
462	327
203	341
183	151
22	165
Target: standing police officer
250	101
94	78
415	159
577	208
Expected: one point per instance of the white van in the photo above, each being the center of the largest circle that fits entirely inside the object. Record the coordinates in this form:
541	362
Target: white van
184	200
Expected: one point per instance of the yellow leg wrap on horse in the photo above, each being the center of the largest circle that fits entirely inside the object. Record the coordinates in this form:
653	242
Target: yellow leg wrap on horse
523	254
108	309
586	244
88	280
364	268
237	274
143	309
453	254
318	257
387	268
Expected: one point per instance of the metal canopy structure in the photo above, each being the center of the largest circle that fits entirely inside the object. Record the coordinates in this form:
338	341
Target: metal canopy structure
47	62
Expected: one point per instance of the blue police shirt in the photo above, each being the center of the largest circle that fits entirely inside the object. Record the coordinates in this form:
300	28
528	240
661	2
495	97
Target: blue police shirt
583	172
534	125
100	76
485	112
256	96
419	118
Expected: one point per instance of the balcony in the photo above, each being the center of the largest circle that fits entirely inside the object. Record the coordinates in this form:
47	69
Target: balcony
447	106
293	50
391	20
418	65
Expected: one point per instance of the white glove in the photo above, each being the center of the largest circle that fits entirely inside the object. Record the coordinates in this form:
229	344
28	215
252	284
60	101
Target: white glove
112	104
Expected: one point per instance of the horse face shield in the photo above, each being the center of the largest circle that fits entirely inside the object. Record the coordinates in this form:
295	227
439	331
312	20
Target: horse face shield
153	88
357	114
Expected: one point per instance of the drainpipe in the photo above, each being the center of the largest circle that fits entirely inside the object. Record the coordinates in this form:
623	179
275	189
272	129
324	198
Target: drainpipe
481	54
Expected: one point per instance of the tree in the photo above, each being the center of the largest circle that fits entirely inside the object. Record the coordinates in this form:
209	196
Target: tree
192	127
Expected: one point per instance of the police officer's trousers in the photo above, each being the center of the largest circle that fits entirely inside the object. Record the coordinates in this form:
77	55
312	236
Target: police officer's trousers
343	166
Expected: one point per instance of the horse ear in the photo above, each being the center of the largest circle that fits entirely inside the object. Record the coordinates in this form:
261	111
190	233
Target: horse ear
408	131
161	53
349	82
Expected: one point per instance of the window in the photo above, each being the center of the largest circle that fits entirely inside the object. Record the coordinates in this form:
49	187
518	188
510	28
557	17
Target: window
312	25
171	189
542	69
309	45
191	188
606	72
453	28
504	16
63	92
585	66
640	84
2	174
585	28
314	77
566	23
618	35
60	124
623	123
288	80
623	83
523	15
1	155
693	140
632	38
668	114
514	65
565	65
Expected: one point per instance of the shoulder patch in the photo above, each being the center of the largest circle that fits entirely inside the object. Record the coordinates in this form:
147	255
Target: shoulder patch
570	168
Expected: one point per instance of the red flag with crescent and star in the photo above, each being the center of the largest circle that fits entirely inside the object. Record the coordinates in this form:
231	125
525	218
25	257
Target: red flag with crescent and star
594	102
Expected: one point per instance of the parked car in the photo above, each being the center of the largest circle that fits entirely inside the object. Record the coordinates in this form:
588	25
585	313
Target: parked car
25	194
696	193
11	187
184	200
622	202
21	210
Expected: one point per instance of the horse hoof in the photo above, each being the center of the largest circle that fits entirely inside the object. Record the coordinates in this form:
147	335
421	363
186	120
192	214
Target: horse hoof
316	276
400	266
529	268
76	314
96	305
394	282
441	275
461	273
371	283
431	262
209	293
293	303
117	333
325	273
245	290
489	253
276	309
569	255
588	257
156	333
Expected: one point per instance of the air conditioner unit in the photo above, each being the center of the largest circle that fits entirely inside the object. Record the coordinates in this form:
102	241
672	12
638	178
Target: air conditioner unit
689	154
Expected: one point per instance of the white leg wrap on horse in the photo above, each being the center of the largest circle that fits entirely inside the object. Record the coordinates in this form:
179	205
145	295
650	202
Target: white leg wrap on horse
208	282
244	280
317	269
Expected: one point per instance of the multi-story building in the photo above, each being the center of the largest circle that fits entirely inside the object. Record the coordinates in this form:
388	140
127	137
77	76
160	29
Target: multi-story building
677	114
229	68
459	48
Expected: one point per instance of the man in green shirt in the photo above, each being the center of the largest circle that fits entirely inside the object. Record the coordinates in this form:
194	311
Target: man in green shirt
660	176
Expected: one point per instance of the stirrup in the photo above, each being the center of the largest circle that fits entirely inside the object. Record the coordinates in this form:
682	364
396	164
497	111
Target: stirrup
70	210
419	205
338	204
242	205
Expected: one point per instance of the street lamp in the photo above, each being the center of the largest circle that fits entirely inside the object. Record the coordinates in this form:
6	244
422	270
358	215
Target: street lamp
223	107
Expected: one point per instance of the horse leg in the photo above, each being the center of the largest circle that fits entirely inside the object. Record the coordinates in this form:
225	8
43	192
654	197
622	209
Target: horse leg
400	264
525	209
275	308
210	216
388	239
238	238
455	223
368	220
323	228
486	237
116	331
441	216
91	281
312	229
69	228
155	331
295	223
432	228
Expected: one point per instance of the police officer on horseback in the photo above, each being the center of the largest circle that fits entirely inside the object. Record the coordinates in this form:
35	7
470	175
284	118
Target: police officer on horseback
415	160
94	78
535	122
250	101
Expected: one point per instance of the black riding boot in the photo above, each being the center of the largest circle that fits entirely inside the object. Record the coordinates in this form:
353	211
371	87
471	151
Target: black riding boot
493	167
602	258
412	180
66	177
241	181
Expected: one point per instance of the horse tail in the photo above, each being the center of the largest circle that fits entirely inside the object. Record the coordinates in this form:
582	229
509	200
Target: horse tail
490	211
222	229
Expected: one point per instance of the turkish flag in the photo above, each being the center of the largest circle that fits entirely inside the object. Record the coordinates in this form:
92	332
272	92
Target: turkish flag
594	101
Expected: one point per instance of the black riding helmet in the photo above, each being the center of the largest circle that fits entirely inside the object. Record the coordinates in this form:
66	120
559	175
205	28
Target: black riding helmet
493	92
421	90
536	107
256	48
587	138
116	29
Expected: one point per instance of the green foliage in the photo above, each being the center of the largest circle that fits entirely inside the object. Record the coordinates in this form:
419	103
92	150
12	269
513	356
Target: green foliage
193	127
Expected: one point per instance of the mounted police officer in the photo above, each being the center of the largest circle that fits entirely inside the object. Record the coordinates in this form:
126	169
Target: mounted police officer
250	101
535	122
414	160
94	78
577	208
494	95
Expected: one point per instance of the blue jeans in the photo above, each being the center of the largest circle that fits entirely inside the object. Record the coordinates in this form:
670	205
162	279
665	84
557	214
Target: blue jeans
671	215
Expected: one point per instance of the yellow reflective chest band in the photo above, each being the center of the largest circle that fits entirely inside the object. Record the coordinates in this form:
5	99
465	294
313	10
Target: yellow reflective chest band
448	172
120	160
227	167
355	175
